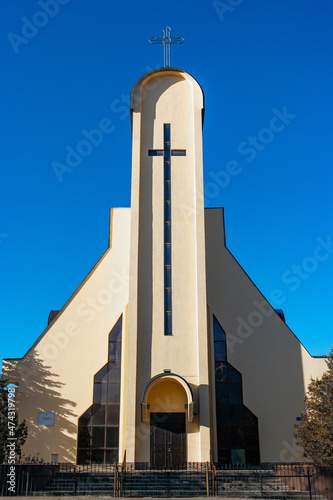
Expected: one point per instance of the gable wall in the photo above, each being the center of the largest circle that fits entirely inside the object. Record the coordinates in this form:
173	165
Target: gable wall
276	368
56	375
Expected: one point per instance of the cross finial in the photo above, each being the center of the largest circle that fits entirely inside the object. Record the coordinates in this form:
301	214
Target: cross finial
166	40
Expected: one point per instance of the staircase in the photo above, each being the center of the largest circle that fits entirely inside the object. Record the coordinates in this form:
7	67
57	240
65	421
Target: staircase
174	484
138	480
83	483
259	484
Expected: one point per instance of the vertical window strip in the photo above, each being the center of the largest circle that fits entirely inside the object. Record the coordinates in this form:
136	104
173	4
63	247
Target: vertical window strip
237	426
167	233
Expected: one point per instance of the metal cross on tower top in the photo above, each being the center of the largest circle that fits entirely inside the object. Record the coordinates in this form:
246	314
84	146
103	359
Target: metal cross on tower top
167	41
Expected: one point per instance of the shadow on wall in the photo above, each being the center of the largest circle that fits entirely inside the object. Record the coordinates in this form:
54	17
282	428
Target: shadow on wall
39	390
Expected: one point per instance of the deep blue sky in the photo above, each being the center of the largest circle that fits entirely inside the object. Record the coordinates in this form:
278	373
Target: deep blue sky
256	57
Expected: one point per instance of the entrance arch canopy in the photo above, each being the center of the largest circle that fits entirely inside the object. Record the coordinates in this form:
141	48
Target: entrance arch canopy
168	377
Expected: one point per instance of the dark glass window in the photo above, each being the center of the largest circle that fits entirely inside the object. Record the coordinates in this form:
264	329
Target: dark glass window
100	393
249	418
167	293
167	133
220	351
112	437
234	375
167	276
167	171
251	437
86	417
224	415
252	455
84	436
167	191
221	372
167	211
98	437
167	255
167	229
218	330
98	414
221	393
236	433
178	152
155	152
111	456
113	372
168	323
114	351
167	155
115	333
83	456
167	232
237	426
235	393
98	427
97	456
224	455
113	393
237	414
101	376
112	417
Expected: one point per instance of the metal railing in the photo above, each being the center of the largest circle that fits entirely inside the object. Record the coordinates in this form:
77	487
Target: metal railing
274	481
59	479
141	480
190	480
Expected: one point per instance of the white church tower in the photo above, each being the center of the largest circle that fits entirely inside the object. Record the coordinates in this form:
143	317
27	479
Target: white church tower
167	367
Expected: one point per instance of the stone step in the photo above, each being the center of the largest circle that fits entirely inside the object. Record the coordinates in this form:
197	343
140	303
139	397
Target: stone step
155	484
176	484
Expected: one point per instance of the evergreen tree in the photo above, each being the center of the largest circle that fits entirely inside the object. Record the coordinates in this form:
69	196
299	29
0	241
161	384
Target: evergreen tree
9	426
315	431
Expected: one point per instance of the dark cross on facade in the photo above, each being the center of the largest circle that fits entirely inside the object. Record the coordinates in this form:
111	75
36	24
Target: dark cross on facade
166	40
167	152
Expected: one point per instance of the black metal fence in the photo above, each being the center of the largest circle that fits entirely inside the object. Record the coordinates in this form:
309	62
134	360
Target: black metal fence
191	480
274	481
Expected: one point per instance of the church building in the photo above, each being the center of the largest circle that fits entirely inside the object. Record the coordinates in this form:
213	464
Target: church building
167	350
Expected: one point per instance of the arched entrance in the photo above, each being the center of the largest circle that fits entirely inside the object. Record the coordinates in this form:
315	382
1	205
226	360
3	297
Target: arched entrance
165	404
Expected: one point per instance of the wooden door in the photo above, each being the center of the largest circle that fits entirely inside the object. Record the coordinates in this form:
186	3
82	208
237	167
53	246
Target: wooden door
167	440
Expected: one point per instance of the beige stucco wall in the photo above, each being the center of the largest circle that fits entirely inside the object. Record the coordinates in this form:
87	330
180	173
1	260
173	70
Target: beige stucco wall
167	96
56	375
276	367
